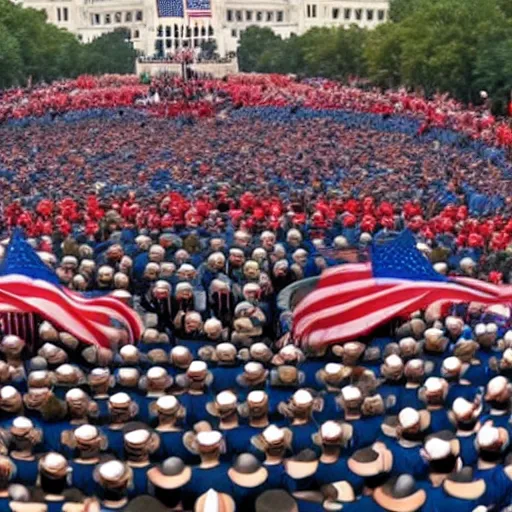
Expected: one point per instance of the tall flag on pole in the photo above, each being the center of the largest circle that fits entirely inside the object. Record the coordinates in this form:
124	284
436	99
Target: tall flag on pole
199	9
170	8
29	287
352	300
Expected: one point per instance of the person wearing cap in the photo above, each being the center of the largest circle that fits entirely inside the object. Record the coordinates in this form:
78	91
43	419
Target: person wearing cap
113	479
334	440
365	427
225	409
139	444
100	383
249	479
441	451
211	473
392	372
195	384
435	347
168	482
86	444
254	377
452	370
54	483
122	409
170	419
498	402
157	300
228	366
24	438
406	448
433	395
284	381
156	382
299	411
414	372
11	403
276	499
472	368
466	418
275	444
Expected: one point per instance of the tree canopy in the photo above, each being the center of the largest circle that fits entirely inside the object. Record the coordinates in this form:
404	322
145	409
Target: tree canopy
431	45
32	47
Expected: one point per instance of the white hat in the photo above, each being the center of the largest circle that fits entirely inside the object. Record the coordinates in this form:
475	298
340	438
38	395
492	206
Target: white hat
253	367
491	328
100	372
433	384
461	407
333	368
452	364
437	448
302	397
156	372
128	373
273	434
65	370
331	430
129	351
393	361
408	417
38	375
197	367
12	341
209	438
139	436
54	461
350	393
112	470
86	432
119	399
167	402
22	422
8	392
256	397
496	385
226	398
480	329
466	262
487	436
180	350
75	394
508	337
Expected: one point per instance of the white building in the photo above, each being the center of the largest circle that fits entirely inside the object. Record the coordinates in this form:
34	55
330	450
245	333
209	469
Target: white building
153	34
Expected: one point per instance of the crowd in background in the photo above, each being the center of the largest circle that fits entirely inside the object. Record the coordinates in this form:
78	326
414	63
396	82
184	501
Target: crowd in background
199	222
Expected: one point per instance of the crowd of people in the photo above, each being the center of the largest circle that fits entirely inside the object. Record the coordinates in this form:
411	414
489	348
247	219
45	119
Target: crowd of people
199	222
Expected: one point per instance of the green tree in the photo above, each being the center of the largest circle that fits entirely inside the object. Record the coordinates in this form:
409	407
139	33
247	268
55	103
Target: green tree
383	53
254	42
11	63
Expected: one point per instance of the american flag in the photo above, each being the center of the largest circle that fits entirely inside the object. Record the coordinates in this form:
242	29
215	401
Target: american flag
199	9
29	287
170	8
352	300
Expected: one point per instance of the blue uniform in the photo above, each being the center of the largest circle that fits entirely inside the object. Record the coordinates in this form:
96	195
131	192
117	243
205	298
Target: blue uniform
407	459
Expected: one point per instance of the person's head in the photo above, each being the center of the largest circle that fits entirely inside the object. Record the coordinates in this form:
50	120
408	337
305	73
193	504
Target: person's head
54	471
114	478
276	499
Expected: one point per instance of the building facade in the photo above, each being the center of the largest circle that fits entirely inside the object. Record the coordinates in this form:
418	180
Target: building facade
163	27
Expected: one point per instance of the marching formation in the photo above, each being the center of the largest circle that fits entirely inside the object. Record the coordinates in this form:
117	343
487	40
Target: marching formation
198	223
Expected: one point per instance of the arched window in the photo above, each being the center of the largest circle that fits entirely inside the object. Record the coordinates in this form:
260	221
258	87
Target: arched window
203	31
210	31
196	31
